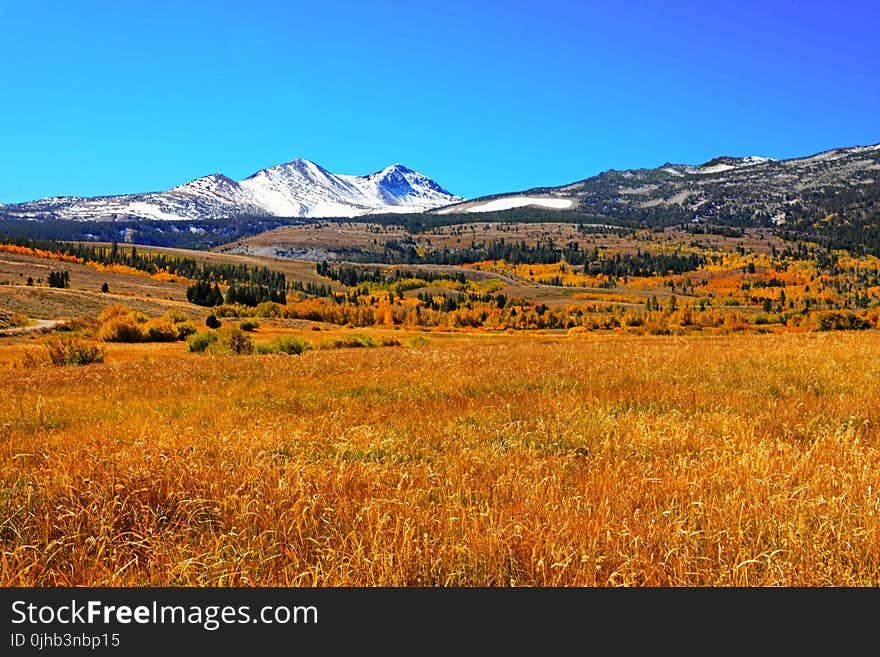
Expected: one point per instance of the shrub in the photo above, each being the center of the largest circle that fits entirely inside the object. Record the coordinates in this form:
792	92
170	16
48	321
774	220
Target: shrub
236	341
199	342
161	330
269	309
286	344
232	310
115	310
185	330
74	352
389	341
841	320
122	324
121	329
231	340
181	323
211	321
249	325
355	340
176	316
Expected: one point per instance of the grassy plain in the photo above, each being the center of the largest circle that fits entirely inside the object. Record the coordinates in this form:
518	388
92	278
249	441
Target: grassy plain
722	455
454	459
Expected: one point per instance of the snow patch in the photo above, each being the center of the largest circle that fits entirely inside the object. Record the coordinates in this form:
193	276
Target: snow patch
715	168
721	167
520	201
151	211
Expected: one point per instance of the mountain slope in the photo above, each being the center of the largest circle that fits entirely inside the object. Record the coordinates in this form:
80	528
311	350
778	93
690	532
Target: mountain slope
298	188
843	184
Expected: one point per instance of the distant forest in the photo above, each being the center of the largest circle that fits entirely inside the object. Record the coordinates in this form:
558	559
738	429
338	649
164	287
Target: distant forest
200	235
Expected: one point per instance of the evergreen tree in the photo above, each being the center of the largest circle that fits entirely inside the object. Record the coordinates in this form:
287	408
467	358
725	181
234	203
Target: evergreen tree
60	279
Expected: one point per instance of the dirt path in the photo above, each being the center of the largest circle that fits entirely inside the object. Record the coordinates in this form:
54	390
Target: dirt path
39	325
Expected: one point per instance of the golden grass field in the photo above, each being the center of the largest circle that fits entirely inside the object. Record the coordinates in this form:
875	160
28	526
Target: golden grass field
461	459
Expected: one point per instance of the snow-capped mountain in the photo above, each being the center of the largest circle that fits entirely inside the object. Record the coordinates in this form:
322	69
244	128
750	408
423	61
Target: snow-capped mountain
298	188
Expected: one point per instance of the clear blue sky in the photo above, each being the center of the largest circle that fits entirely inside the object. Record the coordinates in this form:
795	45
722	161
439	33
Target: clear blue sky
484	96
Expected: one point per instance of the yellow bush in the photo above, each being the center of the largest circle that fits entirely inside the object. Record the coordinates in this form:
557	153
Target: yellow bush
74	352
121	329
176	316
116	310
120	323
161	329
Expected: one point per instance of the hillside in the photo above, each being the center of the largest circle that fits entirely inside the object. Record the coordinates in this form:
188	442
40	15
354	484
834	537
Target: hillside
832	197
749	191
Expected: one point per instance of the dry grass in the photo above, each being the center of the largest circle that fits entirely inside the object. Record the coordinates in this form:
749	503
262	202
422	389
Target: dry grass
54	303
471	460
15	270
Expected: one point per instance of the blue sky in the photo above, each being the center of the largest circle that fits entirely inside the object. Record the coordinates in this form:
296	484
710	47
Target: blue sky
483	96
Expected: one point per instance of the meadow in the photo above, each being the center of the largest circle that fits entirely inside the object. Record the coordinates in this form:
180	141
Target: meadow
452	459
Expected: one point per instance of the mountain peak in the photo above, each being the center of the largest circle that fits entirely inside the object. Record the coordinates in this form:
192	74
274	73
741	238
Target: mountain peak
397	185
722	159
298	188
736	161
397	167
218	177
392	169
298	164
211	181
301	162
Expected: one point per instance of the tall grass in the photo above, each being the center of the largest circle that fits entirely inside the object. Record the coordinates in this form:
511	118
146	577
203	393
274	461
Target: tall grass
597	461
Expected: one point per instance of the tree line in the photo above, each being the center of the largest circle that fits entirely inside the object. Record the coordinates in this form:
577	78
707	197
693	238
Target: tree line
543	253
352	276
